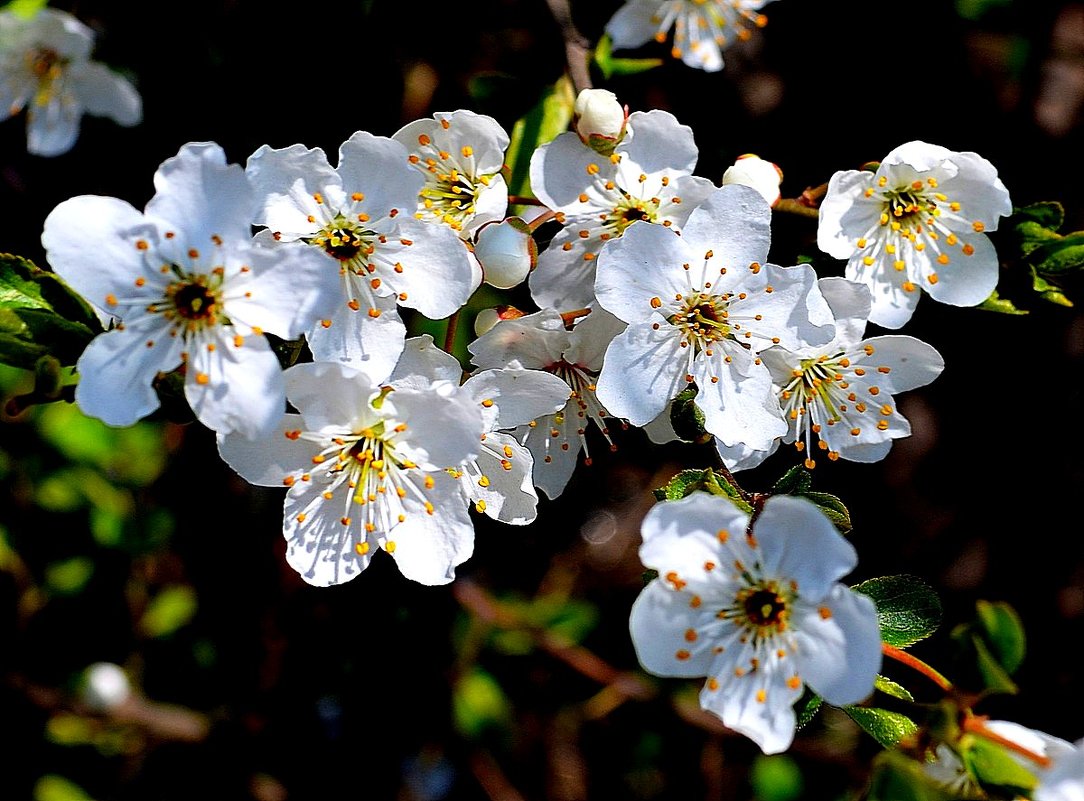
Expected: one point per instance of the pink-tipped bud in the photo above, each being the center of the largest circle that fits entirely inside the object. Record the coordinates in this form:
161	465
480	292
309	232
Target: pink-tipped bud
599	119
753	171
487	318
507	252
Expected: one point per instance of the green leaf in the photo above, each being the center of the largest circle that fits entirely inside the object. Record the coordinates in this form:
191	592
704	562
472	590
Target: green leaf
569	618
25	285
895	777
795	481
57	788
1060	256
889	687
1048	291
168	611
908	610
689	481
883	725
832	508
807	707
687	418
549	117
1047	214
70	576
995	769
1004	632
994	676
996	303
479	704
775	778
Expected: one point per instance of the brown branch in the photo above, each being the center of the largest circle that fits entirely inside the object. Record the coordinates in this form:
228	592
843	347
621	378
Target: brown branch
577	46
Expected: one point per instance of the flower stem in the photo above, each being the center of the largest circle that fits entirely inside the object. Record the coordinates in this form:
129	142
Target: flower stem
449	333
538	221
524	200
577	47
977	725
795	206
914	662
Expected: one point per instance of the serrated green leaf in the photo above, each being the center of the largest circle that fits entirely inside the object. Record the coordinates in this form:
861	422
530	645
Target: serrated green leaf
548	118
889	687
995	769
832	508
908	610
996	303
795	481
168	611
883	725
479	704
1004	633
807	707
689	481
25	285
895	777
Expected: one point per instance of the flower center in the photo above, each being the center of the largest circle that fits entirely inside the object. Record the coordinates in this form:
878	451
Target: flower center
346	241
582	408
44	63
817	394
702	319
192	301
762	608
629	210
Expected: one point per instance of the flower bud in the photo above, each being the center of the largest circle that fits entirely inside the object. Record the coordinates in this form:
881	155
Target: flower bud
753	171
599	119
105	686
487	318
507	252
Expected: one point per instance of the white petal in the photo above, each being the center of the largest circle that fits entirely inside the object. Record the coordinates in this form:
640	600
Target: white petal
266	461
735	223
533	341
591	337
658	622
644	369
553	466
513	397
422	363
737	399
377	167
965	280
641	269
798	543
758	704
116	371
354	337
633	24
235	388
910	363
681	537
107	94
508	494
444	426
839	645
330	395
319	546
559	175
428	547
438	275
52	129
563	279
658	143
850	304
286	182
845	213
203	196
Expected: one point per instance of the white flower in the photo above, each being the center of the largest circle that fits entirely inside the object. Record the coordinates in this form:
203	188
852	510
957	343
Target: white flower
757	609
104	686
1064	780
460	155
753	171
45	67
599	119
188	287
648	177
366	470
499	481
702	28
700	307
358	215
540	341
915	224
841	393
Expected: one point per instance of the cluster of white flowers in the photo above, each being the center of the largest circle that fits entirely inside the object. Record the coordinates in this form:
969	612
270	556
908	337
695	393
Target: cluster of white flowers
656	281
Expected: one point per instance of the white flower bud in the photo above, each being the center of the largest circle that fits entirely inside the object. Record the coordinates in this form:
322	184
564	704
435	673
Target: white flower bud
487	318
753	171
506	251
105	686
599	119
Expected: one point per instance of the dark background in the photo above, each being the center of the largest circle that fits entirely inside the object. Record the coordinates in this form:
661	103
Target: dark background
304	693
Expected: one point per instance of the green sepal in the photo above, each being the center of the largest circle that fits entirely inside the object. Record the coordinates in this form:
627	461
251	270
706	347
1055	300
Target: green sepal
687	418
885	726
1048	291
889	687
609	66
24	8
996	303
549	117
908	610
1061	255
798	481
687	482
807	707
1046	214
995	769
897	777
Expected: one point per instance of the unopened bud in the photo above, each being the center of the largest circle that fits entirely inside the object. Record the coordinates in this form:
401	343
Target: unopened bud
487	318
105	686
753	171
599	119
507	252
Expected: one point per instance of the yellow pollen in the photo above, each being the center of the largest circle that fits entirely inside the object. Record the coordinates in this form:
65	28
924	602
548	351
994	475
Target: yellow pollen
978	226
